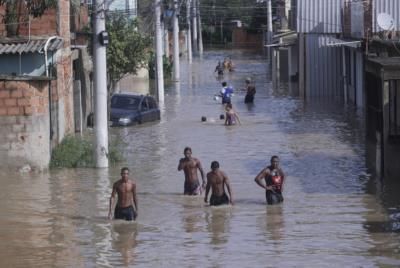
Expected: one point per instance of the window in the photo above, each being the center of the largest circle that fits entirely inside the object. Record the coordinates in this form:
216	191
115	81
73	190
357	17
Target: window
152	103
124	102
145	105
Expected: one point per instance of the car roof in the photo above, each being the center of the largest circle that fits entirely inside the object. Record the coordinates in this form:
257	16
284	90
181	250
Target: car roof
131	95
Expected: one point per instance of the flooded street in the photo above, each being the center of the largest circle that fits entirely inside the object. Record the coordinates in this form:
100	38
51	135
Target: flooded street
334	213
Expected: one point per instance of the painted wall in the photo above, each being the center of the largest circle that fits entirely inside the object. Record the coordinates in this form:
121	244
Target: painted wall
323	67
317	16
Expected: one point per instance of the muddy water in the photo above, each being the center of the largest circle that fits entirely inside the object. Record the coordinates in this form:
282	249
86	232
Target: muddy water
334	213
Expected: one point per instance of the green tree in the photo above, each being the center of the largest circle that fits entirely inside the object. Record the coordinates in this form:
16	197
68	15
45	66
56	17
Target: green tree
127	51
17	11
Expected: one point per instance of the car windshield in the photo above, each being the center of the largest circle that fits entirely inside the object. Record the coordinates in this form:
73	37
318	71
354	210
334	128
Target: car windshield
125	102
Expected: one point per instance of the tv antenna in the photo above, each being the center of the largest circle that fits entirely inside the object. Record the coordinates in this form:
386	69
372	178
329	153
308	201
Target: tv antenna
385	21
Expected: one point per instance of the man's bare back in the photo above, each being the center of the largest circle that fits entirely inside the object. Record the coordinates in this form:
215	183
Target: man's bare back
216	181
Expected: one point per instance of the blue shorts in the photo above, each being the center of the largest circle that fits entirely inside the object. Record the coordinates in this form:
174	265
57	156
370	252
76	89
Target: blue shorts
127	213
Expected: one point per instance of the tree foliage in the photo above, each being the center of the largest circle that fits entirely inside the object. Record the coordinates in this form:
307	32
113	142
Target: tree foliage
36	8
127	51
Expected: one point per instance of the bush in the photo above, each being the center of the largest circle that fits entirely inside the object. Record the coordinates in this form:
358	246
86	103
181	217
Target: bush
75	152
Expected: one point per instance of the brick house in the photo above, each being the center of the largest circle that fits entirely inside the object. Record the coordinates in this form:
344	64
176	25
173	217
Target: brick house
37	86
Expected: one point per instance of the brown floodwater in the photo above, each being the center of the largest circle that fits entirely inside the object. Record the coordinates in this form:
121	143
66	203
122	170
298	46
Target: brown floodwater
335	213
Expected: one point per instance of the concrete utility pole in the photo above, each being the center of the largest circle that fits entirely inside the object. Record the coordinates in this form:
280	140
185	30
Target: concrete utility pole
166	40
200	31
159	53
176	42
100	85
269	29
194	25
189	31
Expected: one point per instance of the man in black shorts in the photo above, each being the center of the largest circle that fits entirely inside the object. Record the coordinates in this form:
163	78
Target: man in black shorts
125	188
217	180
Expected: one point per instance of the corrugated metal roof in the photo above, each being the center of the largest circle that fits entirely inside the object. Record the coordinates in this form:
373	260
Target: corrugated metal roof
319	16
31	46
391	7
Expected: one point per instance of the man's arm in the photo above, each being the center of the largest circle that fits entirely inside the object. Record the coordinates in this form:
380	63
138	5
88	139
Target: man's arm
207	188
237	118
228	186
112	200
134	198
181	164
260	177
201	172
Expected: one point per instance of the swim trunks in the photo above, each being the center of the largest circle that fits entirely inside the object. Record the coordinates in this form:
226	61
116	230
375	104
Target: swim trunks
127	213
219	200
192	189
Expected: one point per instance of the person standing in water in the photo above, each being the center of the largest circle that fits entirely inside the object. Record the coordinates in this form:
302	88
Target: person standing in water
250	91
190	165
127	206
217	180
274	178
230	115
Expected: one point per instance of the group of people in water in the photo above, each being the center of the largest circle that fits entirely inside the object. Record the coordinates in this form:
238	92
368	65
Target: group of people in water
226	65
270	178
226	93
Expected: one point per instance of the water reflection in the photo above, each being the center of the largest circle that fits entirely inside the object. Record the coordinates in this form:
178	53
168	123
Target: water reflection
124	241
218	224
191	216
274	223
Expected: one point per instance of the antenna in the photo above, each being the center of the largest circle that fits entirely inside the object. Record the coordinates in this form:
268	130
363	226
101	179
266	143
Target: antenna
385	21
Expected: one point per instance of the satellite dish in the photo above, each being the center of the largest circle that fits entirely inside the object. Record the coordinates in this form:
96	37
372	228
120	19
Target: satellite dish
385	21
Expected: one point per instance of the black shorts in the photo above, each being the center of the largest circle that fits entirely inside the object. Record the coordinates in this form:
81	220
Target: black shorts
219	200
273	197
249	98
127	213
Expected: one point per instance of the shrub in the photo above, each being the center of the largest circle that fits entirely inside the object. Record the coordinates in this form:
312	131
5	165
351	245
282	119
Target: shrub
75	152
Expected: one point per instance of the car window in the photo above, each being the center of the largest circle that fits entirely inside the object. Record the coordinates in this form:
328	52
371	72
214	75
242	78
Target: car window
145	105
152	103
124	102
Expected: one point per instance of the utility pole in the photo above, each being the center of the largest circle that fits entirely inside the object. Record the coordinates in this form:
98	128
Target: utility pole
166	39
100	40
200	31
269	31
159	53
176	41
194	25
189	31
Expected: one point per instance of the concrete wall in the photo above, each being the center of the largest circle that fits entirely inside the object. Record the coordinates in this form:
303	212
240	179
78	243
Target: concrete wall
25	113
24	120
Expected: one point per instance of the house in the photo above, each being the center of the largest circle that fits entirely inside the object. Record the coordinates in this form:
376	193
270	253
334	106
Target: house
376	23
37	96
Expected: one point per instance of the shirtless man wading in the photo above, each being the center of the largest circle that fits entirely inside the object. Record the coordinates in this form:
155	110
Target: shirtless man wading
189	165
125	188
217	180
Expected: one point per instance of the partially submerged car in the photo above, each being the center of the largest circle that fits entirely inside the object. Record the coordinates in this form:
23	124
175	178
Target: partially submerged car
129	109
